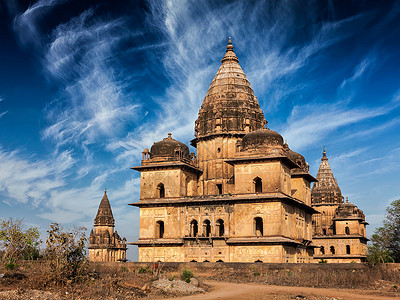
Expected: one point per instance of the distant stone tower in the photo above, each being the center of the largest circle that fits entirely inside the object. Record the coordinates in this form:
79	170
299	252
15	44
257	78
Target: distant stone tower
105	243
339	229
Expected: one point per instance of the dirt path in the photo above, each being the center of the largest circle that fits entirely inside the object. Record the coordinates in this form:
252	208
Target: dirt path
250	291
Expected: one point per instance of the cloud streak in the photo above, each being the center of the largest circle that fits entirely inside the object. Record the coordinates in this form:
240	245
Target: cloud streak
28	180
95	104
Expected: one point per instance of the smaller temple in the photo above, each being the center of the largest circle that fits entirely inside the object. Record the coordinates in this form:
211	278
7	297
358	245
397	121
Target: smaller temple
105	243
339	230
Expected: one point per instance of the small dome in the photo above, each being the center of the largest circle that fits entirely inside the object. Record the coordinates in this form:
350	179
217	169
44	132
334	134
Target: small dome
347	209
296	157
261	138
169	147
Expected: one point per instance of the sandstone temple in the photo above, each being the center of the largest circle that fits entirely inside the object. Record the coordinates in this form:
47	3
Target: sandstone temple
339	228
245	197
105	244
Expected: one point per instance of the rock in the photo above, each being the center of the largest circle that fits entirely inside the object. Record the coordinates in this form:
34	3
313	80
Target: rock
194	281
176	286
145	287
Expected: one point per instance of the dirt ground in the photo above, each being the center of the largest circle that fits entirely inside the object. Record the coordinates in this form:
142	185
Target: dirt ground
136	282
232	291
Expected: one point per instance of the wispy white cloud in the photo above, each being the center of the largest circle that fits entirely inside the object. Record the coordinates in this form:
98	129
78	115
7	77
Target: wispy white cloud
26	24
367	64
308	124
26	179
4	112
95	103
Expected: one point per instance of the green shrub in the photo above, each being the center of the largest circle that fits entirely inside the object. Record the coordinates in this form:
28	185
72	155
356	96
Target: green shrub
322	261
124	269
256	273
186	275
10	264
144	270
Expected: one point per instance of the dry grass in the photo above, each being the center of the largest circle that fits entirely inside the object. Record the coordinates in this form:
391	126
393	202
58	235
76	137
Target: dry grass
124	281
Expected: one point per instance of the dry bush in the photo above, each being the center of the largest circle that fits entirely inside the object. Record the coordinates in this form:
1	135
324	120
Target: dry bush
331	277
65	254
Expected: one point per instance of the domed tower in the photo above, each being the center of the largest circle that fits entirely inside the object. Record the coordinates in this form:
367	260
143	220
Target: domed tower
326	190
326	196
229	111
235	202
101	246
339	230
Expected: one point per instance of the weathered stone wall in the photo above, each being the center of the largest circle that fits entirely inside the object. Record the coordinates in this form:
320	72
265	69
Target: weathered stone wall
207	269
357	248
354	227
301	190
211	154
107	255
274	175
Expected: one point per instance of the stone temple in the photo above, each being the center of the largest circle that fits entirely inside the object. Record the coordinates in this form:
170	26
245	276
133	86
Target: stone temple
246	197
105	244
339	228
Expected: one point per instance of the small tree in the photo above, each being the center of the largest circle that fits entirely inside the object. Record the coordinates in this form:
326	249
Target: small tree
66	254
16	242
385	242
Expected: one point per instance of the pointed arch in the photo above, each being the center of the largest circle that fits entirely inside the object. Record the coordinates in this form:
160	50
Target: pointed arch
257	182
220	227
206	228
258	226
159	229
160	190
194	228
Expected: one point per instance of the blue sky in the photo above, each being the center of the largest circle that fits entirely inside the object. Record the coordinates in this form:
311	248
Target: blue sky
85	86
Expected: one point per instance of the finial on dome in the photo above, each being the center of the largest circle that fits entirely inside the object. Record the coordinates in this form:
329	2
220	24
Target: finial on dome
169	135
105	190
324	155
230	46
347	199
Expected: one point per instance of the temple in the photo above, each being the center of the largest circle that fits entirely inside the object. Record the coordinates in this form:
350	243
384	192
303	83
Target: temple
105	244
245	197
339	228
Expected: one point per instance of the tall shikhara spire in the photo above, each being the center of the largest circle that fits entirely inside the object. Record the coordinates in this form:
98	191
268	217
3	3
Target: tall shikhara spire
326	190
104	215
230	105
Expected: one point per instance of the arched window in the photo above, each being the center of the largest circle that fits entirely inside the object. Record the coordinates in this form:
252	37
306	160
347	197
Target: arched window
160	190
332	250
322	250
257	185
219	189
362	231
159	229
194	228
347	249
324	231
206	228
258	227
347	230
220	228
